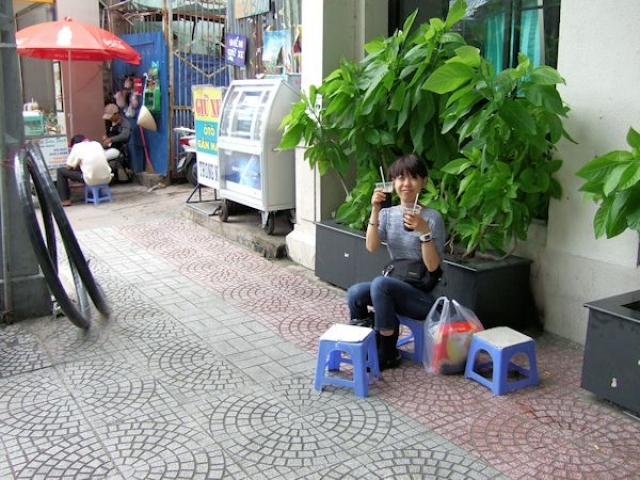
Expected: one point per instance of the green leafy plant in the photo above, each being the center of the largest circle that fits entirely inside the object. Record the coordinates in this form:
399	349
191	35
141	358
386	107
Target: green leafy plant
366	114
488	137
613	182
507	125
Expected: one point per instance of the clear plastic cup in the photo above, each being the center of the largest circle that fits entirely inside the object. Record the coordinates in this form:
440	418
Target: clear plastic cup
409	213
387	188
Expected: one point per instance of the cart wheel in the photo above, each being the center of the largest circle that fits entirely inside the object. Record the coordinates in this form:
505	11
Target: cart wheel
224	210
291	217
270	223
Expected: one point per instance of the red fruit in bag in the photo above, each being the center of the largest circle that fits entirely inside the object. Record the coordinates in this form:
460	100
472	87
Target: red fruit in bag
452	343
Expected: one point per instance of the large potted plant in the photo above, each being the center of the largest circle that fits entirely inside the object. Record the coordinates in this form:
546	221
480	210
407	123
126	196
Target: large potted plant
488	138
610	368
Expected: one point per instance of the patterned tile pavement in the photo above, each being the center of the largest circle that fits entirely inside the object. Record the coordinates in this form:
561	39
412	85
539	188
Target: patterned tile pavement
205	370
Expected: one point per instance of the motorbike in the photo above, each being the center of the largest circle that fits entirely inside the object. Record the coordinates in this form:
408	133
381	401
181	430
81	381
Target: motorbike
187	156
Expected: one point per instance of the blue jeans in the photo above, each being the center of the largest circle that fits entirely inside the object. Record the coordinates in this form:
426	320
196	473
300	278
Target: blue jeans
388	296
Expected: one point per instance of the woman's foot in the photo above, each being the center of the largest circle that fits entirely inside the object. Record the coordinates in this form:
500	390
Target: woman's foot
388	356
389	363
363	322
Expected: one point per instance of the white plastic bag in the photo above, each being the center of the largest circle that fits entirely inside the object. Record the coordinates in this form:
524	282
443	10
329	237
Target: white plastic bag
447	335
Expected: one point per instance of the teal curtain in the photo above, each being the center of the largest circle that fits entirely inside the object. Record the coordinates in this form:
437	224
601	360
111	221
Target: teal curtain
494	27
491	17
530	35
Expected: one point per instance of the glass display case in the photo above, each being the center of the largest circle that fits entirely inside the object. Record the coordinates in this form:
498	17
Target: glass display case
253	172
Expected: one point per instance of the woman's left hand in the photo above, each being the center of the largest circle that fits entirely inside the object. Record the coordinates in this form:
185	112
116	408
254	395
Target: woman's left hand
422	226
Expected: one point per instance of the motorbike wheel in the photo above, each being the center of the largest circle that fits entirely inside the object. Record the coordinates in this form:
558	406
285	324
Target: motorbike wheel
270	223
191	170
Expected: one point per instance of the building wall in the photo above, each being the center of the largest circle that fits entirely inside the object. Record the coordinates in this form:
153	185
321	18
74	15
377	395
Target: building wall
600	61
333	29
87	103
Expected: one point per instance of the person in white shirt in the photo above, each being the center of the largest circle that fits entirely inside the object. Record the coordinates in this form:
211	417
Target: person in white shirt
86	163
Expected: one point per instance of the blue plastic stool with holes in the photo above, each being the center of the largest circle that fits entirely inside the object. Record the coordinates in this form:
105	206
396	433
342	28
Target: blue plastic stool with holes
416	336
97	193
352	345
502	344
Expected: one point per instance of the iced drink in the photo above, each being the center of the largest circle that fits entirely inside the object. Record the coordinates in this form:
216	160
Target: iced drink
387	188
410	211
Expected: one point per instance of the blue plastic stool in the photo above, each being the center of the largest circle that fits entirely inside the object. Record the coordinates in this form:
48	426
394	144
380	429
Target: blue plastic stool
502	343
416	336
359	343
97	193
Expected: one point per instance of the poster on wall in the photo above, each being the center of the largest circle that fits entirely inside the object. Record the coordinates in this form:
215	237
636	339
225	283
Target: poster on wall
207	104
247	8
276	55
236	49
55	151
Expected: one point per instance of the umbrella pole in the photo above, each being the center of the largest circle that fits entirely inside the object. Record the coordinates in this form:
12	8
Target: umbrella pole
70	89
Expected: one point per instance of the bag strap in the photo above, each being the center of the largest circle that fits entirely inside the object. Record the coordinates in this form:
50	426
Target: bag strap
445	307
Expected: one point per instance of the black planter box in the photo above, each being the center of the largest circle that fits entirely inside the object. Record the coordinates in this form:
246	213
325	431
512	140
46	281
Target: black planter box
342	258
498	291
611	365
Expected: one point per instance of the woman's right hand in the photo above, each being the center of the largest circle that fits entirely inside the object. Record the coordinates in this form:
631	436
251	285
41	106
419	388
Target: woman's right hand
377	198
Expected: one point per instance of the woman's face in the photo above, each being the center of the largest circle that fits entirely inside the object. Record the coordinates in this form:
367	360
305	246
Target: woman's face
408	187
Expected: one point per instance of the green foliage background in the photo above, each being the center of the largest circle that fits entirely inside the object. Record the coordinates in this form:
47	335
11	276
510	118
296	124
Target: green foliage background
487	137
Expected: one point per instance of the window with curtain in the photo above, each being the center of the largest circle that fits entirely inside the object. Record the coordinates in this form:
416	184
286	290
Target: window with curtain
503	28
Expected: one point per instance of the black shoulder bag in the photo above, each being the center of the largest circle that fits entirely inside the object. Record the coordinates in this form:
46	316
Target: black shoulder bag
414	272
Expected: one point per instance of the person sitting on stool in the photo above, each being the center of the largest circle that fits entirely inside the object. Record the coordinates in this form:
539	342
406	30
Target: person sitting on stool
117	133
87	163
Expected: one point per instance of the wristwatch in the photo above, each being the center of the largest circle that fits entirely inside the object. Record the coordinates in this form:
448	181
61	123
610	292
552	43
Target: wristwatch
426	237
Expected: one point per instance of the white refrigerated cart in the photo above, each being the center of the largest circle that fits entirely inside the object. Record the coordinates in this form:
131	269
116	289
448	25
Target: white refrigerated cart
253	173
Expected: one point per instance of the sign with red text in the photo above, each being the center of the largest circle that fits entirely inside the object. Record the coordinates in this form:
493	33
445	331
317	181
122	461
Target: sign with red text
207	104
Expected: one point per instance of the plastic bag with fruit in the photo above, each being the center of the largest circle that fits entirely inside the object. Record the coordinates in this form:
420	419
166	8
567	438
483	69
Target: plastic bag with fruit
447	335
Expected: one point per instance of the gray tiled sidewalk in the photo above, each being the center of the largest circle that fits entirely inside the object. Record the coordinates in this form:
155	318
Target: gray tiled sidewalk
205	370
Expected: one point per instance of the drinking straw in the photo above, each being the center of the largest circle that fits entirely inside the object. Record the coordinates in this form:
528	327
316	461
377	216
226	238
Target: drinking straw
382	174
416	202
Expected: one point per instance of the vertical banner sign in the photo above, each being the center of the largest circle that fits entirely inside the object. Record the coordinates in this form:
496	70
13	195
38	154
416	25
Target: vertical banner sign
207	104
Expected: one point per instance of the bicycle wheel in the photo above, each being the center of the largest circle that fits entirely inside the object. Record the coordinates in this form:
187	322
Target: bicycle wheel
34	233
66	231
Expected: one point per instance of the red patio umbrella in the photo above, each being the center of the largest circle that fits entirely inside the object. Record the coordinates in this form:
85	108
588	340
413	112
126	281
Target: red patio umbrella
70	40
